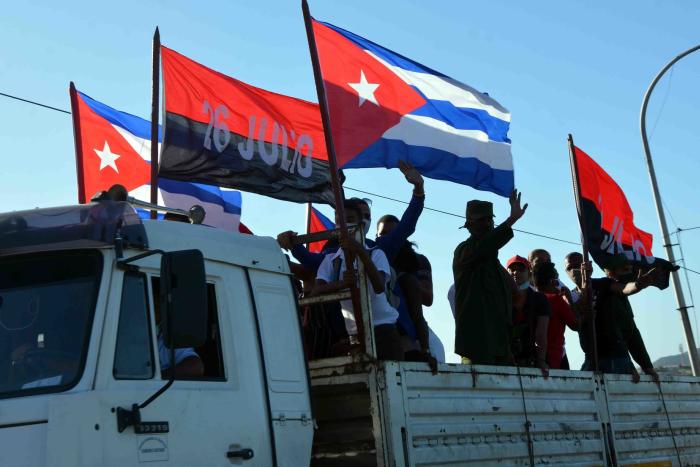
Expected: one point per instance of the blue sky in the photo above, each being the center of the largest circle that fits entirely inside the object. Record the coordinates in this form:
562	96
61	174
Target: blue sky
559	67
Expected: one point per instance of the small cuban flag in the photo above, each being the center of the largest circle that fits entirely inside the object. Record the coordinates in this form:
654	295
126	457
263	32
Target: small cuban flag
384	107
317	222
115	147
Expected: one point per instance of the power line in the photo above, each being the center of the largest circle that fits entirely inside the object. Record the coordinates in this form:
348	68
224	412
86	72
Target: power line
353	189
349	188
679	229
458	215
34	103
690	270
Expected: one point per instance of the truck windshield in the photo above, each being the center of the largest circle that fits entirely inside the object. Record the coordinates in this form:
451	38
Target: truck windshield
47	303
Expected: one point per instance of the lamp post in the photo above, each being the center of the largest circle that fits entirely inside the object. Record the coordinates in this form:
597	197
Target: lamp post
682	308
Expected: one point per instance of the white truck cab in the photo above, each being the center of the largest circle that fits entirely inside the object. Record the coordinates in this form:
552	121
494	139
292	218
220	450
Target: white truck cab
93	299
79	343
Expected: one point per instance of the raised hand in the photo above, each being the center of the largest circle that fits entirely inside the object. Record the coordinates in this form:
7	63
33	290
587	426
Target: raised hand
411	174
516	212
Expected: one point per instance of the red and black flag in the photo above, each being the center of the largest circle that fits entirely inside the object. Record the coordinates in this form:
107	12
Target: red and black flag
608	221
224	132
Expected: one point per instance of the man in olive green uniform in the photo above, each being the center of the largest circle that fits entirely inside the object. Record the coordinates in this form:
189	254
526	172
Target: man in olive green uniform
484	308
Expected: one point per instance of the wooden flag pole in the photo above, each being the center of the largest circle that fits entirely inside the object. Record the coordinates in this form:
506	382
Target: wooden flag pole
308	220
584	241
77	136
333	163
155	108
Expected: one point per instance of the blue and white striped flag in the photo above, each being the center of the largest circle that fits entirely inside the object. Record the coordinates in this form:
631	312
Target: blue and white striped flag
385	107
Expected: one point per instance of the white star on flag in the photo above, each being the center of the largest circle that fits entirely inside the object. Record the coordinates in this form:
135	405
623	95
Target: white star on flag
107	157
365	90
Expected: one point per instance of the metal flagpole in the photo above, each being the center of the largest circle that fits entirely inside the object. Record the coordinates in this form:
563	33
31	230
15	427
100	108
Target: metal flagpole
335	179
682	308
154	120
77	135
584	240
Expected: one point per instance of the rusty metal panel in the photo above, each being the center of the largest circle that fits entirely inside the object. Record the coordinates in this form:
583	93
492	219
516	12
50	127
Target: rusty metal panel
654	423
475	415
348	411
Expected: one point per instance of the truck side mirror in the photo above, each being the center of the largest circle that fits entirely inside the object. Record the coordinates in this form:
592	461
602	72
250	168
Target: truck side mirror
183	299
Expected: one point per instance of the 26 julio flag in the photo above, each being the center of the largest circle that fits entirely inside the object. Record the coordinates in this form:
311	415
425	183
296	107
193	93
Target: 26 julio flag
608	220
114	147
318	223
384	107
224	132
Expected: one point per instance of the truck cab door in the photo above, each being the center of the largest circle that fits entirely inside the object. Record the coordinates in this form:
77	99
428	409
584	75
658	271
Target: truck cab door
286	375
218	419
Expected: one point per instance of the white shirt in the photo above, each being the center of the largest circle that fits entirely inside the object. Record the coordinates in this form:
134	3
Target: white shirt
437	350
180	354
382	311
451	298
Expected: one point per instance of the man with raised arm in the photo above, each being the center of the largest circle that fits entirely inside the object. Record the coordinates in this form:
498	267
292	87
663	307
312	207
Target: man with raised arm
390	243
484	303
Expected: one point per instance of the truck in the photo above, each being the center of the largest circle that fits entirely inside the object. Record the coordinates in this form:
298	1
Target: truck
91	295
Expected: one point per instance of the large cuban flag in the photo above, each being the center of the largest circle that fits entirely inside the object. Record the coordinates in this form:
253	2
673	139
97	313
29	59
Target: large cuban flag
114	147
385	107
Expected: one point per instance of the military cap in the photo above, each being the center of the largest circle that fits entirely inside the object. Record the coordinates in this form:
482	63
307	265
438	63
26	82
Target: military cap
477	209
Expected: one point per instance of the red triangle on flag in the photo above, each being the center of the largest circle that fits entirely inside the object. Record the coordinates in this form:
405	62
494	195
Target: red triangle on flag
365	97
107	157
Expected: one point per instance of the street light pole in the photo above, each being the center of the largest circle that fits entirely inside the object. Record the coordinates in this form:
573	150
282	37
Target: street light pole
682	308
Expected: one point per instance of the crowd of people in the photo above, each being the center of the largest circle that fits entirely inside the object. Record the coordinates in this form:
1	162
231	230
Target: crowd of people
512	315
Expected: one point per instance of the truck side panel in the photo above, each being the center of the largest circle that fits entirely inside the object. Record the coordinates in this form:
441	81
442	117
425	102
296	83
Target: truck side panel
462	418
651	423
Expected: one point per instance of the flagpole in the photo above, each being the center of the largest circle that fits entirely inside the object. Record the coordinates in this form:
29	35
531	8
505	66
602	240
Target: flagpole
333	163
677	287
308	221
155	96
576	180
308	218
77	136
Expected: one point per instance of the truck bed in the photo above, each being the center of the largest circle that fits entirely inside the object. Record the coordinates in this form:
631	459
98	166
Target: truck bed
399	413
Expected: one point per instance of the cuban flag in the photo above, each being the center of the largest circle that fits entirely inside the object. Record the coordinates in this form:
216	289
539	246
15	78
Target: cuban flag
318	223
385	107
115	147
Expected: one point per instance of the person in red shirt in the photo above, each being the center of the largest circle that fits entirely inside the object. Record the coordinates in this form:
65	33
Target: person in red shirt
530	318
545	277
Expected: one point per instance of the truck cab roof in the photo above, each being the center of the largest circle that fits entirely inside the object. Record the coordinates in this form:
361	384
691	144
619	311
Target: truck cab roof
103	224
219	245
